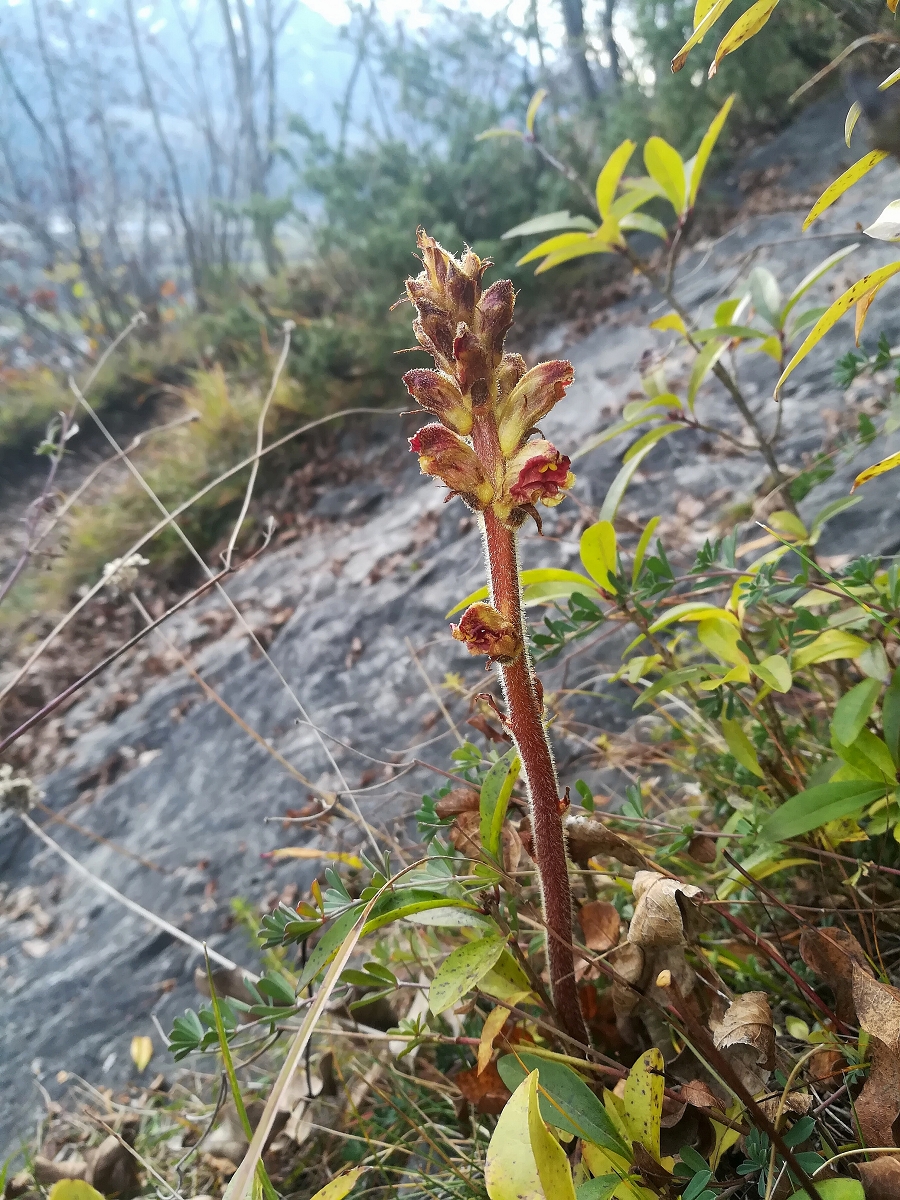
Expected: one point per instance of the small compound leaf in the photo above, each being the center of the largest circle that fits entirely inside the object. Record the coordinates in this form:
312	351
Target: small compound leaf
462	970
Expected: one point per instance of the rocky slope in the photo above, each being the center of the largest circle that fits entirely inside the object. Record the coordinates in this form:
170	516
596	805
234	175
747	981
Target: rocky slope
354	614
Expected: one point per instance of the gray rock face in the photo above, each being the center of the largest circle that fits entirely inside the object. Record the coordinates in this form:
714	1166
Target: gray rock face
378	575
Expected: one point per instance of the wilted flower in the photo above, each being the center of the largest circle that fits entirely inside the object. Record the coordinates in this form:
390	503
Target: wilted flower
486	631
121	574
443	454
440	396
530	400
538	473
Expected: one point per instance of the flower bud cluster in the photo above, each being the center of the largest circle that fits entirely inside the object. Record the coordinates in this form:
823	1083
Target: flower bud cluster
476	384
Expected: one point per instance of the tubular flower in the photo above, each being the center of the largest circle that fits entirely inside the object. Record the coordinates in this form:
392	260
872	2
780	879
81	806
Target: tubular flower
486	631
443	454
440	396
537	473
494	316
531	399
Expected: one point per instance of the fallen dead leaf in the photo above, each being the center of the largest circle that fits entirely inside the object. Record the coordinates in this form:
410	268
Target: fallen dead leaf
700	1095
881	1178
465	834
600	922
831	954
877	1008
588	836
826	1068
658	919
878	1104
747	1038
457	801
487	1091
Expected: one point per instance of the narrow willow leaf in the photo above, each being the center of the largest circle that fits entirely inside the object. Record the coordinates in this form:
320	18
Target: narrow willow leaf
668	681
692	610
594	245
619	485
563	241
710	16
547	593
701	158
643	1100
533	105
533	575
510	1172
339	1187
566	1100
743	332
703	364
552	1163
666	166
597	548
837	310
551	222
879	468
644	224
819	805
741	746
614	431
610	176
813	277
744	28
701	8
843	184
853	710
495	793
461	970
650	439
641	549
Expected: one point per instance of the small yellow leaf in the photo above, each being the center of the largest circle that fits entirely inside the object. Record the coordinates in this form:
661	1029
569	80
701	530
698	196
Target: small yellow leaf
843	183
349	860
141	1051
610	176
886	464
337	1188
839	309
853	115
744	28
598	552
711	14
669	321
494	1022
74	1189
534	104
643	1100
706	148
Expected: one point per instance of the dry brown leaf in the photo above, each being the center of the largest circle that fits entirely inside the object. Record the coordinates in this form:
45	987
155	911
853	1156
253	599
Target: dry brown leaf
113	1169
510	848
831	953
700	1095
47	1172
465	834
658	919
486	1091
881	1178
457	801
826	1068
600	922
588	836
878	1104
747	1038
702	848
877	1008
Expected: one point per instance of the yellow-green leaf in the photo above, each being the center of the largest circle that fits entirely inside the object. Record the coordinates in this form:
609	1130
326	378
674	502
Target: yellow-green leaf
643	1100
461	970
610	176
843	183
533	105
666	166
562	241
650	439
598	552
552	1163
788	524
617	488
741	746
829	645
711	14
774	672
644	224
721	636
337	1188
510	1170
879	468
532	575
595	244
703	364
692	610
669	321
706	148
839	309
495	793
74	1189
142	1050
744	28
641	548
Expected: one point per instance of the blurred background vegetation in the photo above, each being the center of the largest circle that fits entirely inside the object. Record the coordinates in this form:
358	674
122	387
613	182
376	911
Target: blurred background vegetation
226	167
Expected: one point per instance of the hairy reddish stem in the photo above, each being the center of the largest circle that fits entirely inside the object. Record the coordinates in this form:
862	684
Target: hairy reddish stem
525	720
